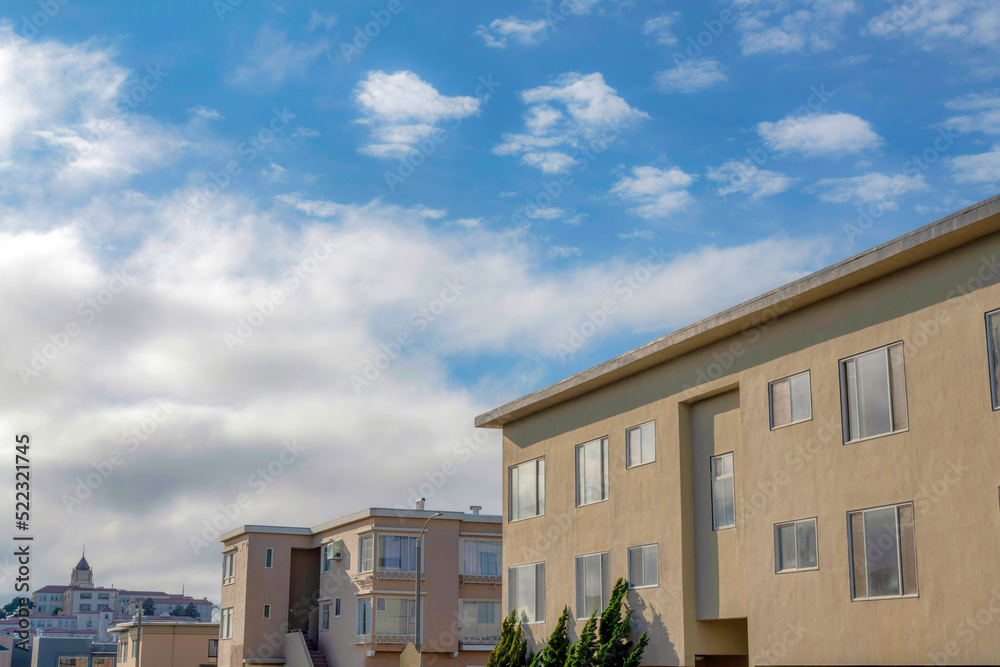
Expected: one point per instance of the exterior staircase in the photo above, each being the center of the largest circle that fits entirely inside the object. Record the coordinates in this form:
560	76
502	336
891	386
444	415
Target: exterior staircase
317	656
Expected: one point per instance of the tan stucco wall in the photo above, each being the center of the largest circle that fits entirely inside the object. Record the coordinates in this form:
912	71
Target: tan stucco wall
947	464
169	645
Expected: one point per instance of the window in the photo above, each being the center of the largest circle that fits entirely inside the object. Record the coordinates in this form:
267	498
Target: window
993	351
268	558
643	566
364	616
873	393
336	607
526	490
267	611
213	648
228	568
883	553
366	554
135	649
103	596
85	607
123	649
593	584
397	552
482	557
103	662
226	623
324	616
396	616
86	596
479	619
640	445
73	662
723	492
324	560
795	546
791	401
526	592
592	472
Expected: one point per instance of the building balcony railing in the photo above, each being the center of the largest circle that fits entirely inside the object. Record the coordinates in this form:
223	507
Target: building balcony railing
485	640
366	580
383	639
494	579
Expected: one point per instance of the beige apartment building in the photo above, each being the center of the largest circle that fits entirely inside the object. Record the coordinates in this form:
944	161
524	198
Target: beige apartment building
167	644
343	593
808	478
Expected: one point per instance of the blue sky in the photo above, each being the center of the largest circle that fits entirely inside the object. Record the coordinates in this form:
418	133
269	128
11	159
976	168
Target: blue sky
356	226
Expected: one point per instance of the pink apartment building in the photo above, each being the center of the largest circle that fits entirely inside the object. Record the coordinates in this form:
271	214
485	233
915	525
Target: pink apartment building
343	593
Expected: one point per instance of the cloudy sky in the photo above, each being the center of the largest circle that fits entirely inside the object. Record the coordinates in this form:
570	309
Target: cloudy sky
265	262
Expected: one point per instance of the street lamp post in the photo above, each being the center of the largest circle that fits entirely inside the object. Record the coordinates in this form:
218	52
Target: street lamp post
420	568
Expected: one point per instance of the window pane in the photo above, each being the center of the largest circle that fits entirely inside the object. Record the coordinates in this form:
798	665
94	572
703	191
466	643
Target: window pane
650	565
470	620
729	515
635	569
648	442
899	417
882	552
512	589
786	547
581	587
634	447
805	534
801	403
858	555
993	328
526	595
539	570
592	585
874	416
907	550
718	503
540	472
781	408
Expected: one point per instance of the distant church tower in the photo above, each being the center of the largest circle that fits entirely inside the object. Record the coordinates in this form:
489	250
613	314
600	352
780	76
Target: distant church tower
82	576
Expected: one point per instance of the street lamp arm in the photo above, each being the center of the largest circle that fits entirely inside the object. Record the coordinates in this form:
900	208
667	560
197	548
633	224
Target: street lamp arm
420	564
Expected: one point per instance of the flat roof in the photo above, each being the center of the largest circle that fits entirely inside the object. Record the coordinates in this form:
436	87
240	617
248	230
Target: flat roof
358	516
930	240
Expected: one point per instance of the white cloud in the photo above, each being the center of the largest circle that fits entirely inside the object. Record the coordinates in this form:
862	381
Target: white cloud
320	20
659	28
468	223
776	26
644	234
204	113
512	29
982	168
563	252
659	193
273	59
548	213
401	109
869	188
587	107
819	134
934	24
746	178
691	76
304	133
858	59
985	116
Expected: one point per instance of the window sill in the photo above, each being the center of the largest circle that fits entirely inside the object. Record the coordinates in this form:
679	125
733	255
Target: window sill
715	530
797	569
594	502
639	465
876	437
639	588
526	518
887	597
801	421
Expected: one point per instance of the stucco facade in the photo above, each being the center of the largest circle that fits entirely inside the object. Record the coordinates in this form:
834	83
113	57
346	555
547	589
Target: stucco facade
927	591
306	591
167	644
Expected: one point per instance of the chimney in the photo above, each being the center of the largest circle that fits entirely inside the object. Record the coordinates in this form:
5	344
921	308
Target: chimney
475	509
420	503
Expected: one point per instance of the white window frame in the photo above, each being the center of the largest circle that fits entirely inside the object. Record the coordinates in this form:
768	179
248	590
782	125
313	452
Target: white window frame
605	475
336	607
791	409
409	604
644	548
324	615
324	561
477	634
539	616
462	544
267	612
992	350
226	623
370	539
605	584
642	445
720	479
513	496
268	558
365	603
777	545
899	557
417	541
846	404
228	568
